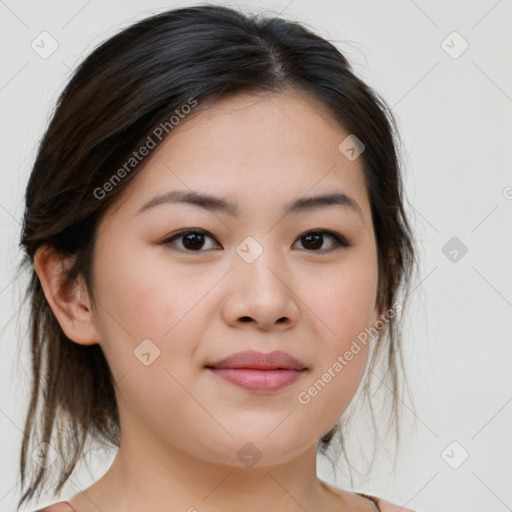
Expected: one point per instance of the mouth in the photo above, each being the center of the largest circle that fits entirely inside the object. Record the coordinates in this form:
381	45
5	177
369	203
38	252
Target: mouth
259	372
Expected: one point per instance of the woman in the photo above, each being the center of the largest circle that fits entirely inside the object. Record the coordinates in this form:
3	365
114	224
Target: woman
216	233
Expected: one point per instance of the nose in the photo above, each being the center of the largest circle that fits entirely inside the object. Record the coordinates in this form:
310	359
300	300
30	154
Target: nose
260	295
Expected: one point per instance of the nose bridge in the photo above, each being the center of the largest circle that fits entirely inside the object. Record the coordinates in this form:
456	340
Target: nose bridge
258	265
260	292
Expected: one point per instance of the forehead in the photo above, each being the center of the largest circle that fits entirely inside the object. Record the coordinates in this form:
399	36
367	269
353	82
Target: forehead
252	147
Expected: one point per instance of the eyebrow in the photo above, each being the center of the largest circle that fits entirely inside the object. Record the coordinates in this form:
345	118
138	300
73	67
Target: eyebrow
217	204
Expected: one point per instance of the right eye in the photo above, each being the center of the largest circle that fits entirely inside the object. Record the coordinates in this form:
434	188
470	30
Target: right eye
192	240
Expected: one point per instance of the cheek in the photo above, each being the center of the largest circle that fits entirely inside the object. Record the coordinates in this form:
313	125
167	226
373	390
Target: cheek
345	302
135	290
155	303
345	299
333	388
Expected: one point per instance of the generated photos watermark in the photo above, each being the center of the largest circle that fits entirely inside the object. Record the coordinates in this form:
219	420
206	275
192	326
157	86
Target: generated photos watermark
304	397
151	142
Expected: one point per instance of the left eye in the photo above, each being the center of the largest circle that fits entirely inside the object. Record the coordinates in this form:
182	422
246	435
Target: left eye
194	240
315	239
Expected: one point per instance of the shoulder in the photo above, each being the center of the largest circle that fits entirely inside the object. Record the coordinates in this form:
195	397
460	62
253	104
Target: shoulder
61	506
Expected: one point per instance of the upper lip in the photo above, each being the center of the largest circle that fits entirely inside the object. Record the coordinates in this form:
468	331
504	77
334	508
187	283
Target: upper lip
252	359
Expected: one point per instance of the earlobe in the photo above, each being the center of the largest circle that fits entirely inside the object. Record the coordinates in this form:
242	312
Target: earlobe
69	301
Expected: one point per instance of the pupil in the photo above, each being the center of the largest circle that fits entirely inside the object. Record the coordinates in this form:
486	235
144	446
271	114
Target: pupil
317	242
193	240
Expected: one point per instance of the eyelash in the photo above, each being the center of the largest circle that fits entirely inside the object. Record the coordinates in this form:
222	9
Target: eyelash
340	241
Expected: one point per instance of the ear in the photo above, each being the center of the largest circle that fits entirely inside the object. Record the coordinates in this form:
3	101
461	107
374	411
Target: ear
69	300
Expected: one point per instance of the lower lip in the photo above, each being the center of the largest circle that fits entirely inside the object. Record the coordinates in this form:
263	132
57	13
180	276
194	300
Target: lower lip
258	380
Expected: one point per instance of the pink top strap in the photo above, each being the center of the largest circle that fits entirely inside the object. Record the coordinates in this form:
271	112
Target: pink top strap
385	506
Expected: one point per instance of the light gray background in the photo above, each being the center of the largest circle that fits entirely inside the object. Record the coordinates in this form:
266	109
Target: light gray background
455	118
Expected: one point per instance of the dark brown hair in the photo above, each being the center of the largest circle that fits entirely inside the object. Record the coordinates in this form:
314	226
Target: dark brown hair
130	84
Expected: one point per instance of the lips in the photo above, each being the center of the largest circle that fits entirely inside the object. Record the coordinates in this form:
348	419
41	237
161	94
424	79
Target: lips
251	359
259	372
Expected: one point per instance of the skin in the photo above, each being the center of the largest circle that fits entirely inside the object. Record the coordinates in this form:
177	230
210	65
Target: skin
181	425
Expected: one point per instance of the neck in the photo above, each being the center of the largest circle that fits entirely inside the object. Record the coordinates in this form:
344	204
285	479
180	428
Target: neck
153	480
148	474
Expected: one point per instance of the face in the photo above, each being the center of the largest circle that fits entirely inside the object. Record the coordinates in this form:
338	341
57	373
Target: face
179	287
